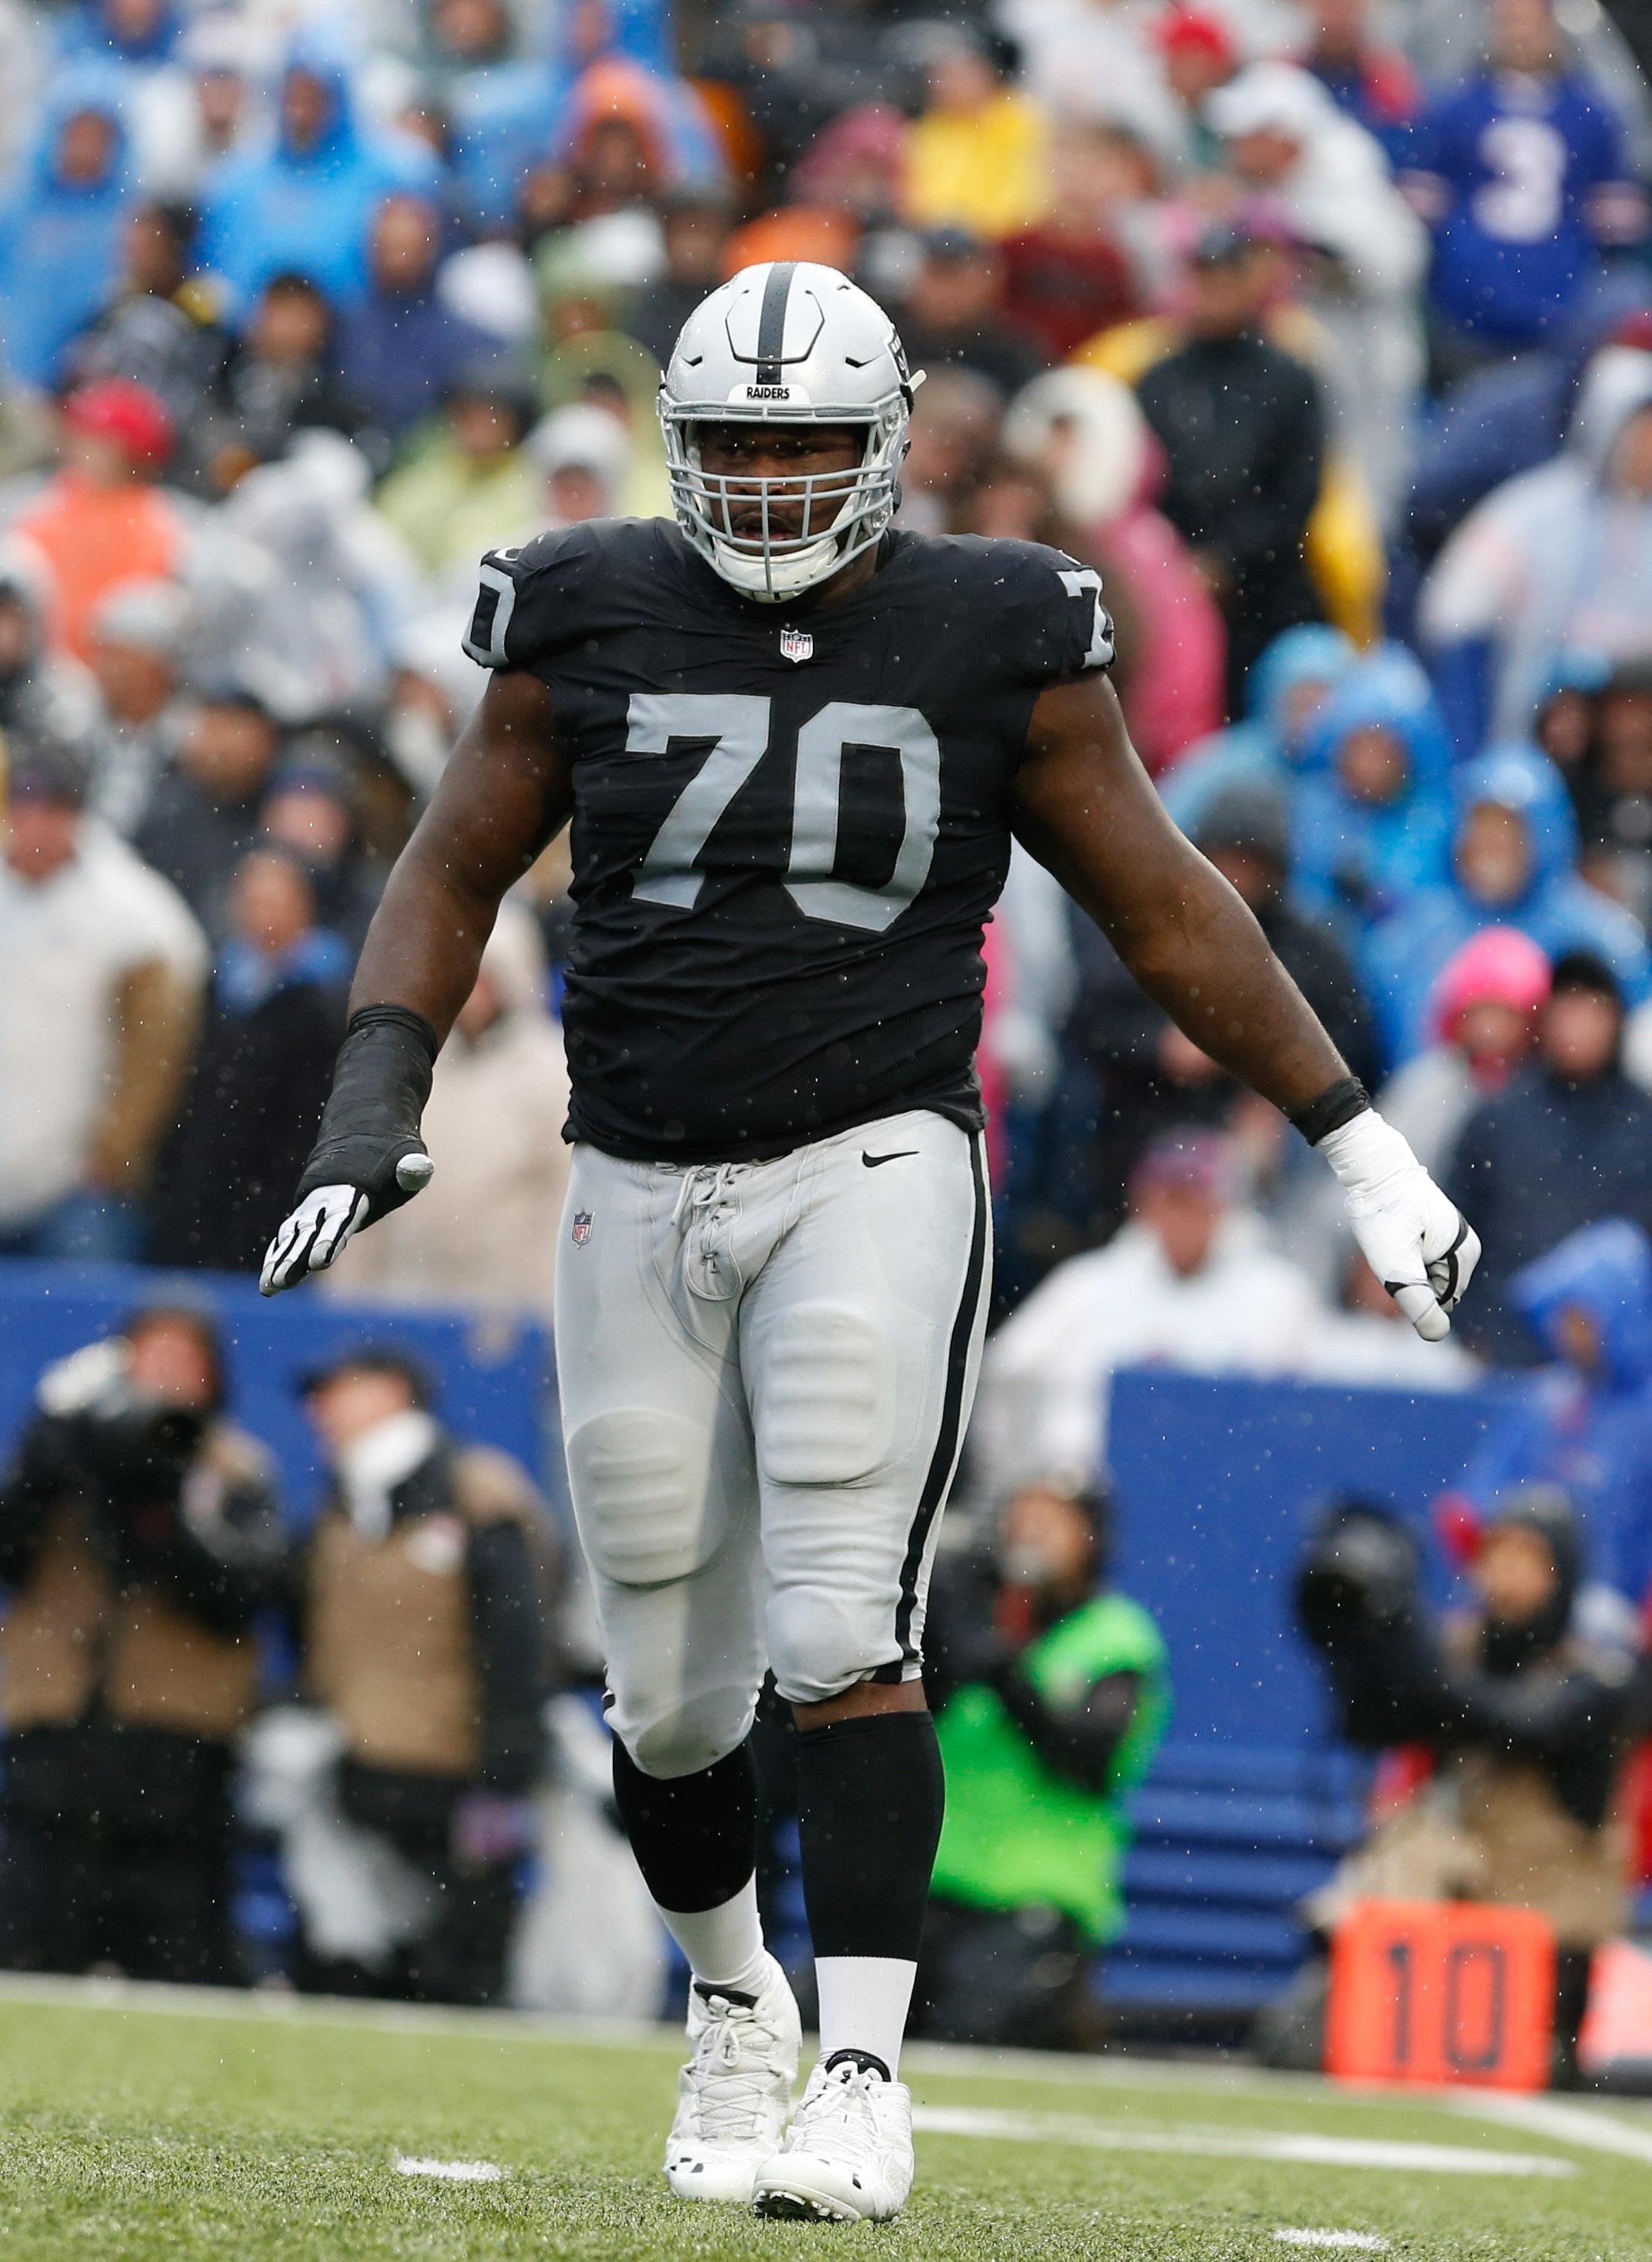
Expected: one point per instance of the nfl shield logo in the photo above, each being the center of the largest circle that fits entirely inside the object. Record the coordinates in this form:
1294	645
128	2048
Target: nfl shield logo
797	644
581	1232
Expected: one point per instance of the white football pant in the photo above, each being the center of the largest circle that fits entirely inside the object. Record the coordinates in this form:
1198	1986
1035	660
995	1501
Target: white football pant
765	1369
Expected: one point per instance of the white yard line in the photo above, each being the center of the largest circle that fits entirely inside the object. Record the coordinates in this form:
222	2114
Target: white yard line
1366	2242
450	2171
1583	2125
1300	2147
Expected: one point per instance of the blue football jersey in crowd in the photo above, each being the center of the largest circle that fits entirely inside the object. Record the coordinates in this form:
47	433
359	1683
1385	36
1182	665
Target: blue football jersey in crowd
1523	181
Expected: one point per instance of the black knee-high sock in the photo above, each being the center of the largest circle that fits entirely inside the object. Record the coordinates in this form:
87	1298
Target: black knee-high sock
695	1836
871	1795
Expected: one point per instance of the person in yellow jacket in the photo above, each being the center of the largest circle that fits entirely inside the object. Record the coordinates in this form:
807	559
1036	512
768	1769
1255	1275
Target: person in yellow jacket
976	158
470	477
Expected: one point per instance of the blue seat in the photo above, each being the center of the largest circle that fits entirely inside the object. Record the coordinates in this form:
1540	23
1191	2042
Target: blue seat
1228	1840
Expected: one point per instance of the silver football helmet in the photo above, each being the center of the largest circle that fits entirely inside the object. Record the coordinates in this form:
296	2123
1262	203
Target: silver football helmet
786	342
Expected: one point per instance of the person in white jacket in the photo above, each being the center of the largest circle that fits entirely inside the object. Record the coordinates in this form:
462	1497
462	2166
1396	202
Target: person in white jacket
99	1013
1188	1282
1558	558
486	1232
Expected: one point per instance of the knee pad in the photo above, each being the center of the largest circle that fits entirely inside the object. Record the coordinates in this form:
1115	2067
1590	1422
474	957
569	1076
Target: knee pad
688	1736
825	1409
641	1497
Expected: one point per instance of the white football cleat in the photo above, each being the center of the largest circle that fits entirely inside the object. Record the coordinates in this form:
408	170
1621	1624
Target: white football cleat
734	2093
848	2156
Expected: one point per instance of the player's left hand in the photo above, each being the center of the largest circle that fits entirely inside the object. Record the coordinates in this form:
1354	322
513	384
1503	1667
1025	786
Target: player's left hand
1416	1241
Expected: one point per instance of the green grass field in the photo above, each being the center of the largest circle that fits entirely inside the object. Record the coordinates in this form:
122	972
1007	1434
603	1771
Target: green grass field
136	2126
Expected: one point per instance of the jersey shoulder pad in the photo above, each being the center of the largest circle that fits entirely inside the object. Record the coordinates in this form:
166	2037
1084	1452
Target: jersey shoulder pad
1051	610
539	599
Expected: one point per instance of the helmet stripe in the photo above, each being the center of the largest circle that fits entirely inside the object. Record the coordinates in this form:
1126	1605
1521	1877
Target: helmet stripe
771	320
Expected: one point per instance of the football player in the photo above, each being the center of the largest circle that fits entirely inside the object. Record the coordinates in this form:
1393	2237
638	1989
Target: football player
794	745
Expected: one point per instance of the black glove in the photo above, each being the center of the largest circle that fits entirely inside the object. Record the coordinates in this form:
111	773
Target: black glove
369	1157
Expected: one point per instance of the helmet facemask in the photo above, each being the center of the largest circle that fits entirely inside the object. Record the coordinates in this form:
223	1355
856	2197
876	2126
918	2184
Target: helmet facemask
844	513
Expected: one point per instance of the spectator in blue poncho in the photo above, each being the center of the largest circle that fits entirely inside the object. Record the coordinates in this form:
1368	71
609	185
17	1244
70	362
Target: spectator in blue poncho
60	225
510	117
1372	813
140	35
306	204
502	105
1513	863
1585	1422
1286	690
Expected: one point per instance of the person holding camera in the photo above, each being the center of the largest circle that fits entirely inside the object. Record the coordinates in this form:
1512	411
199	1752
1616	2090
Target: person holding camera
1051	1697
138	1537
1524	1725
425	1635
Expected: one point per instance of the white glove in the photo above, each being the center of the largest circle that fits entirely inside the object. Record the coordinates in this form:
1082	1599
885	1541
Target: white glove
1419	1244
313	1234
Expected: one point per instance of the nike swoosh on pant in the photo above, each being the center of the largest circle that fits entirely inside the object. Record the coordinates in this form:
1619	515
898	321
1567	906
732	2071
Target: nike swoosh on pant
872	1161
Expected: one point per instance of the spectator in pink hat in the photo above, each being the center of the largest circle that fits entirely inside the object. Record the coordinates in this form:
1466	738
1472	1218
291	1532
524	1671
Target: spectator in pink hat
1484	1012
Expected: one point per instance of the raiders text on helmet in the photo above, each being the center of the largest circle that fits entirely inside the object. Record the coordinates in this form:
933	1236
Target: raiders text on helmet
787	342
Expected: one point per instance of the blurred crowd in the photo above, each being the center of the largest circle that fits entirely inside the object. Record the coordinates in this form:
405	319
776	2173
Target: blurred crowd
1323	331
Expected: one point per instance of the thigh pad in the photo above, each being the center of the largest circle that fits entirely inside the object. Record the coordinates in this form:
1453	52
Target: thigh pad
825	1409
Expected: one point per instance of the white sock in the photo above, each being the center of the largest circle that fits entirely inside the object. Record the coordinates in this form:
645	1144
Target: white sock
723	1945
865	2000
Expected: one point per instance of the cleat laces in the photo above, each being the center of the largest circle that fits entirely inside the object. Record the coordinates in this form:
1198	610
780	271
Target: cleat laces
839	2122
733	2073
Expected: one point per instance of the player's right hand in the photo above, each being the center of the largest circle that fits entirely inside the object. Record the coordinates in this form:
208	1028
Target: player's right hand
323	1223
369	1156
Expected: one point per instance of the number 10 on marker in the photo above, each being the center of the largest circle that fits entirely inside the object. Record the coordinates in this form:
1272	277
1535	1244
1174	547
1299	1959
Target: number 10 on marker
1441	1991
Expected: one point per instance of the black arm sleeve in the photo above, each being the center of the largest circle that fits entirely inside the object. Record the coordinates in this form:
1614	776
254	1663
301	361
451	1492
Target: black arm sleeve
507	1625
371	1123
1080	1744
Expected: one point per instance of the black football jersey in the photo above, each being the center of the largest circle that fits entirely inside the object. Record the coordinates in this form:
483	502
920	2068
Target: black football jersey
789	828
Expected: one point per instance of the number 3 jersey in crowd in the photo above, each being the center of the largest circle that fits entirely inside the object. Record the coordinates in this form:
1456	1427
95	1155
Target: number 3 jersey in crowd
790	827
